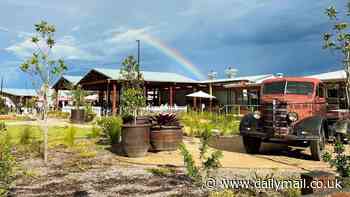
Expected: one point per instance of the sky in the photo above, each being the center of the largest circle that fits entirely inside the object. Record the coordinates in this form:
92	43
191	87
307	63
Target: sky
189	37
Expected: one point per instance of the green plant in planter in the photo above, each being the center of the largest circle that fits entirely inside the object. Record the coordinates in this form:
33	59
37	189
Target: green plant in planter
78	95
132	98
165	119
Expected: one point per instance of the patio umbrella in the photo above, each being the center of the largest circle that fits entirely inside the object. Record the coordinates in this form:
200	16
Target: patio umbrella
201	94
93	97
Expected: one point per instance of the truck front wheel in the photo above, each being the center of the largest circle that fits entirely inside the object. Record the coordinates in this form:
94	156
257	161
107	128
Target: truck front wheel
317	147
251	144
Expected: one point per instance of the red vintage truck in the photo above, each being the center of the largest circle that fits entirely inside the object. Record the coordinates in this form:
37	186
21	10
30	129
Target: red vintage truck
294	111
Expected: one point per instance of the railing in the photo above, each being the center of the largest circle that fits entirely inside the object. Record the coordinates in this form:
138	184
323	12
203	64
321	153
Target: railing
96	110
238	110
157	109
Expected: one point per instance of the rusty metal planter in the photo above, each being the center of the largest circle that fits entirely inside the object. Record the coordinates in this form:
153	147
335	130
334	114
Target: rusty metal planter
165	138
135	139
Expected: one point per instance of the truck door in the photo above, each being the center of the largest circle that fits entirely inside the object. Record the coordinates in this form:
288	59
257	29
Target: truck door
320	104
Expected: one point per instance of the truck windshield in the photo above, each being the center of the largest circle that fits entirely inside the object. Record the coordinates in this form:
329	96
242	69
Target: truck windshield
293	87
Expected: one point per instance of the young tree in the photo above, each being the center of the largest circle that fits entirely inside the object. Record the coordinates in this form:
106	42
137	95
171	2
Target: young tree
43	69
339	39
132	98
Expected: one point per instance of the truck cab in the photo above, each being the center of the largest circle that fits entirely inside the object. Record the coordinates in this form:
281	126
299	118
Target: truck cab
293	111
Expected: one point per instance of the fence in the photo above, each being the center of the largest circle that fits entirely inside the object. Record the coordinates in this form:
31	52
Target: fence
96	110
238	110
157	109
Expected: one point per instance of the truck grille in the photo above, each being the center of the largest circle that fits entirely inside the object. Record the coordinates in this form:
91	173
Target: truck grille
275	118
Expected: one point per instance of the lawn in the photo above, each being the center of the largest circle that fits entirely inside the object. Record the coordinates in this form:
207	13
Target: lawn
55	132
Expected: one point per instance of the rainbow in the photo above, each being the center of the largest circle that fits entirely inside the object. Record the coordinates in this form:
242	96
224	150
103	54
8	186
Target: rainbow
172	53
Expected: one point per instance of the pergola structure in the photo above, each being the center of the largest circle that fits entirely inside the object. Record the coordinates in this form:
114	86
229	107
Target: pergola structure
335	83
62	85
19	96
161	88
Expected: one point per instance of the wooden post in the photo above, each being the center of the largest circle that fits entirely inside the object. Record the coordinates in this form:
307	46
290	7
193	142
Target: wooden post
114	99
194	100
57	99
211	94
171	99
159	96
145	94
174	96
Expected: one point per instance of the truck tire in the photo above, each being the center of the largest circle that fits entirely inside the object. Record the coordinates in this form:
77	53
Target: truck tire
251	144
317	147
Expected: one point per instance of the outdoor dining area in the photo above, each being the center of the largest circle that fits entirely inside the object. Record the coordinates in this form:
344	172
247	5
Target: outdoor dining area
164	92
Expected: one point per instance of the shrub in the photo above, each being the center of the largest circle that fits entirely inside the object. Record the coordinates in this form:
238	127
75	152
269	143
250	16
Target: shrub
95	132
2	126
69	137
111	128
3	107
58	114
225	124
7	163
26	136
224	193
340	161
209	162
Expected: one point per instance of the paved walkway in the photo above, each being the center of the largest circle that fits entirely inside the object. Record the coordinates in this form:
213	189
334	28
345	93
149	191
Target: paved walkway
272	157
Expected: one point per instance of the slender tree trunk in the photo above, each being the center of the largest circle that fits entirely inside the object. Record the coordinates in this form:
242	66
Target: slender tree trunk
347	71
45	125
46	131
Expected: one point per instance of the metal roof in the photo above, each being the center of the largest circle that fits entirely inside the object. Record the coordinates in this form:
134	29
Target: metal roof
252	78
20	92
148	76
72	79
328	76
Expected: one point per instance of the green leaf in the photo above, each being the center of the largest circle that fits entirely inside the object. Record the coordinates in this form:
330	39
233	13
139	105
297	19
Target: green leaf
327	36
341	26
35	39
331	12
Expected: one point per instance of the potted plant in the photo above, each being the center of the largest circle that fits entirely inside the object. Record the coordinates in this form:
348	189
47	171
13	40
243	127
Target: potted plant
135	133
78	113
166	132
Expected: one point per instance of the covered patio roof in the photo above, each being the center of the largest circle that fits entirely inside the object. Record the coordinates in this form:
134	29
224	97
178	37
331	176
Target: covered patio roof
114	74
65	81
20	92
338	75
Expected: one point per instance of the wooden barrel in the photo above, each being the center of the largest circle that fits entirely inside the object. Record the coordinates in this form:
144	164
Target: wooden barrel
77	115
135	139
166	138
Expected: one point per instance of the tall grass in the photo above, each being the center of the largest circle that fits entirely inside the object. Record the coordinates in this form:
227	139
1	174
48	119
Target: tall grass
69	137
7	162
111	128
224	124
26	136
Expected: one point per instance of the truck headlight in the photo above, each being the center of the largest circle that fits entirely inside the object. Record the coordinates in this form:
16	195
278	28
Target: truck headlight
257	115
292	116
